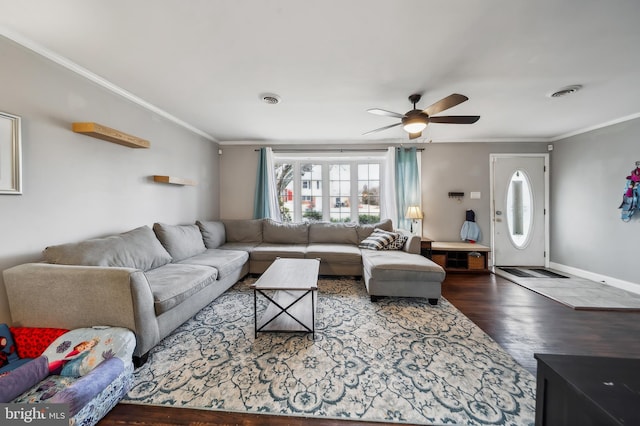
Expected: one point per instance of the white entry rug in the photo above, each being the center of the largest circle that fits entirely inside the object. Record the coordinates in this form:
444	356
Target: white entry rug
396	360
574	292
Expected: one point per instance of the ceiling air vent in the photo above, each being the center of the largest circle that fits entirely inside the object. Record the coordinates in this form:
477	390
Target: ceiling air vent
566	91
270	98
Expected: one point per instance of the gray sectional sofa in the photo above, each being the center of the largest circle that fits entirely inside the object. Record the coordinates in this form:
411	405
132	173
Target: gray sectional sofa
151	281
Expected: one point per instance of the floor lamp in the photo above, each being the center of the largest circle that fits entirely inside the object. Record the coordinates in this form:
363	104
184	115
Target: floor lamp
413	213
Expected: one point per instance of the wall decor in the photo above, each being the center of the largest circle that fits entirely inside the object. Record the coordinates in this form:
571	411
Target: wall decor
10	154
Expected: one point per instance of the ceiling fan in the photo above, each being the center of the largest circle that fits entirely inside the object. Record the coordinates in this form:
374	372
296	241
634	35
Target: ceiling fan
415	121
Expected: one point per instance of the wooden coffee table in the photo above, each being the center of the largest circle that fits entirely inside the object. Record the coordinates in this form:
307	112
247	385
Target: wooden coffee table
291	286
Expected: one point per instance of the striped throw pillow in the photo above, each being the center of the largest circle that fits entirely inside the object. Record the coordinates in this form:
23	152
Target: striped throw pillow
398	243
378	240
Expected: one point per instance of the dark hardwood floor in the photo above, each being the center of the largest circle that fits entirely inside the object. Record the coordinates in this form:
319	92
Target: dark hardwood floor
521	321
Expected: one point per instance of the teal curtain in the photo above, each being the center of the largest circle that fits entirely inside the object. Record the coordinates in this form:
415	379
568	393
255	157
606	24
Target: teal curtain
407	184
265	202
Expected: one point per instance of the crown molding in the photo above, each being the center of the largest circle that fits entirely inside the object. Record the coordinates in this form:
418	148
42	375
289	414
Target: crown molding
83	72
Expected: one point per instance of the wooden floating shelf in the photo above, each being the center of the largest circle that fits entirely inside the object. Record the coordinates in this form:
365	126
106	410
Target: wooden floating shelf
108	134
174	180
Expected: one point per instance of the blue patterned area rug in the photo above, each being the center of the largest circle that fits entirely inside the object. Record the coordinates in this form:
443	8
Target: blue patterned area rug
397	360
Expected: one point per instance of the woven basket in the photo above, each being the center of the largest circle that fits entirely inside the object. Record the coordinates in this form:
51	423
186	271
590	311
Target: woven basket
475	262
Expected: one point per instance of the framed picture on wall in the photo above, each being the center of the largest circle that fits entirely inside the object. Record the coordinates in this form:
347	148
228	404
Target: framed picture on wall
10	154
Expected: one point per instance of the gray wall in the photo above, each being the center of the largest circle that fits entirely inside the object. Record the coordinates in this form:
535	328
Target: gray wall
462	167
76	187
238	169
588	175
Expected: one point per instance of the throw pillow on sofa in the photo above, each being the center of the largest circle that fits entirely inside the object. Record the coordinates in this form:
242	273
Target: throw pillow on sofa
378	240
365	230
398	243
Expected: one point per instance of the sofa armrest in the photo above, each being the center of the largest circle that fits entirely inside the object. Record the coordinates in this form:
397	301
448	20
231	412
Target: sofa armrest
63	296
413	241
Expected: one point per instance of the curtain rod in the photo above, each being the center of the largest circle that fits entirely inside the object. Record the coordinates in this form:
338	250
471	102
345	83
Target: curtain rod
336	150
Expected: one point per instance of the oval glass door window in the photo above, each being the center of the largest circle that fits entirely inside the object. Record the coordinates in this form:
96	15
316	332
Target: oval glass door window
519	209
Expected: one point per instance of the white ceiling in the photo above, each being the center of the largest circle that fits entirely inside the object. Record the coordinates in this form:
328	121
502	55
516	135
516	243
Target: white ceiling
205	62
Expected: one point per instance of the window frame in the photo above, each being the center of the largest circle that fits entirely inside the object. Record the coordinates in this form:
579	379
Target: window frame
325	161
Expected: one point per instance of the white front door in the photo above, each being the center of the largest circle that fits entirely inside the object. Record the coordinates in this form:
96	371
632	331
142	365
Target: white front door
519	209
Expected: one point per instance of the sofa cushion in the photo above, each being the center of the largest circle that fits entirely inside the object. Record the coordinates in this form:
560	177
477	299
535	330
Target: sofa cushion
269	252
181	241
365	230
174	283
243	230
334	253
326	232
225	261
213	233
248	247
285	233
401	266
138	248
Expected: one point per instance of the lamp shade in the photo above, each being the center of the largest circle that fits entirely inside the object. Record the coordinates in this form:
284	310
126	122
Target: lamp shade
413	212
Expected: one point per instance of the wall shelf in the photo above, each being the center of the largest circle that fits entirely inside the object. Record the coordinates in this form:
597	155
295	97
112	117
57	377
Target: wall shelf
174	180
108	134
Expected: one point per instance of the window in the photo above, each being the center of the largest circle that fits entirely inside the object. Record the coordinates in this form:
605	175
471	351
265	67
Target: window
368	193
311	202
340	192
341	189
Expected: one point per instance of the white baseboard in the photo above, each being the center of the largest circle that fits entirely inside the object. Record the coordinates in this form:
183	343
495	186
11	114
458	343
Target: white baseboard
614	282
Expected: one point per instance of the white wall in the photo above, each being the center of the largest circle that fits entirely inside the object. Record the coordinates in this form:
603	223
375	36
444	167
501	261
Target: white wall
77	187
588	176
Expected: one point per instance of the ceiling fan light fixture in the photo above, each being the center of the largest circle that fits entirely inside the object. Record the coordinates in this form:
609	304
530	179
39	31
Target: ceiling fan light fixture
414	124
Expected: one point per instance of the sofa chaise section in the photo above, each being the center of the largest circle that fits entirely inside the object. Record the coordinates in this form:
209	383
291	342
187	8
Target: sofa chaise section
401	274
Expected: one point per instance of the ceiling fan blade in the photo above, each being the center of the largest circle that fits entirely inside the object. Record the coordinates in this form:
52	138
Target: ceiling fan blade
415	135
455	119
381	128
445	103
378	111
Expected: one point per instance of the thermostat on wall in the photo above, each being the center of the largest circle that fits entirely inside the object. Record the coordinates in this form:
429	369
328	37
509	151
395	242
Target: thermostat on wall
474	195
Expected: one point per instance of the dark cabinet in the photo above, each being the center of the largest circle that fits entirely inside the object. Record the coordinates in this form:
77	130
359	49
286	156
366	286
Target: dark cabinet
587	391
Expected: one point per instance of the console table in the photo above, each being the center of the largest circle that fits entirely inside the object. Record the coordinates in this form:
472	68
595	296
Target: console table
587	390
457	256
